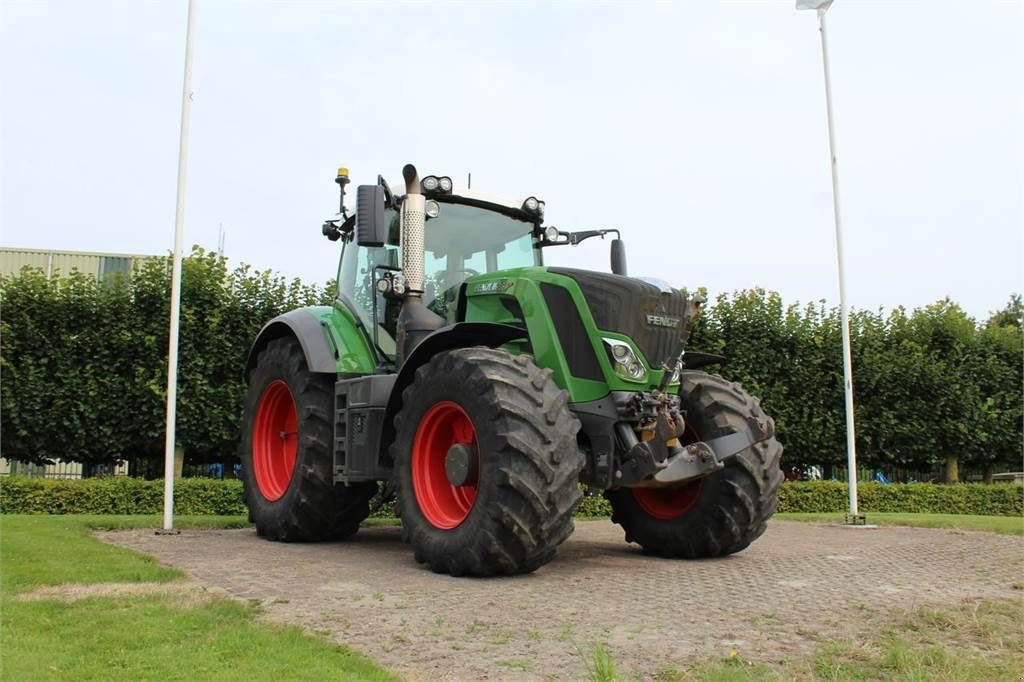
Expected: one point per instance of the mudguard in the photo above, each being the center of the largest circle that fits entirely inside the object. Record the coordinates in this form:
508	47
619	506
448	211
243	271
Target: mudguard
331	342
459	335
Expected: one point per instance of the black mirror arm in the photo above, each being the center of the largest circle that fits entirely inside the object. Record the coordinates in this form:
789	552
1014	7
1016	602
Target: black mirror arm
576	237
389	198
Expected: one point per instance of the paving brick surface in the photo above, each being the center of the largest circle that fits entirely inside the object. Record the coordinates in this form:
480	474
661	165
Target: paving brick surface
800	583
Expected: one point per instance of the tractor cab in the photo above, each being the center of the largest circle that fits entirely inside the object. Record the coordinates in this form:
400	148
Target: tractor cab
465	235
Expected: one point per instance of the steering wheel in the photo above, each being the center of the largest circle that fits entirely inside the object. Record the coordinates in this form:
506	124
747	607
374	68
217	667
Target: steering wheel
452	278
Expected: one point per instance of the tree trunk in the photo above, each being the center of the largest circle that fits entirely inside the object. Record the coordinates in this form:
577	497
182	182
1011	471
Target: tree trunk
952	471
179	461
986	474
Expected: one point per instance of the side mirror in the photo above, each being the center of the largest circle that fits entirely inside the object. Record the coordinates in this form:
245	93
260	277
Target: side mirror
371	230
619	257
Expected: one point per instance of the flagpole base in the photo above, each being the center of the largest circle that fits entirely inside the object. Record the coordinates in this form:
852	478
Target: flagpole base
167	531
856	521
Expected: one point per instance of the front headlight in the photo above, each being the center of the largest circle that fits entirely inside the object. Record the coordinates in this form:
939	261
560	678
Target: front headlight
678	370
625	362
675	374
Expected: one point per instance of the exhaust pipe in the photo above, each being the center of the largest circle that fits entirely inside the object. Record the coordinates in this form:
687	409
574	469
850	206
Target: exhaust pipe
413	221
415	321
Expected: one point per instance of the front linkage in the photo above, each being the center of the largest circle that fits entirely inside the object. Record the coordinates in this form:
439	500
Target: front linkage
657	458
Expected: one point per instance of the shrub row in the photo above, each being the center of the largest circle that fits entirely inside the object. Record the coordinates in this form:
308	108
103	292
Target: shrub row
922	498
967	498
120	495
203	496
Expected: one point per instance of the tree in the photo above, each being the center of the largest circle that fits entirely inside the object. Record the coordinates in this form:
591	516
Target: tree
949	338
84	361
997	419
1012	315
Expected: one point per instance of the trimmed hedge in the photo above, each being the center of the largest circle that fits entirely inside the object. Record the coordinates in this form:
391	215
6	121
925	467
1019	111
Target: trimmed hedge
119	495
205	496
924	498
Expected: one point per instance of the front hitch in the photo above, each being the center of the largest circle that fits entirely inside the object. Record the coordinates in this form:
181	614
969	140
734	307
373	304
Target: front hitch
705	457
657	463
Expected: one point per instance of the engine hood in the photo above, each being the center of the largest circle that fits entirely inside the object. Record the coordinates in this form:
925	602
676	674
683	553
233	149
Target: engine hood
652	315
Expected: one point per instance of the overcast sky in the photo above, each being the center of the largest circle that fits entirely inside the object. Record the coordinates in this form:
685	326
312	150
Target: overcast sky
698	128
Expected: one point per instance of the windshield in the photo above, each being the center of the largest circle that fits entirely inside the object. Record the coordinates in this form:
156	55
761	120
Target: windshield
460	242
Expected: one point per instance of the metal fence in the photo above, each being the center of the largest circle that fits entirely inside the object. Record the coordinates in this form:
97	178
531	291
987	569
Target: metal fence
136	468
61	469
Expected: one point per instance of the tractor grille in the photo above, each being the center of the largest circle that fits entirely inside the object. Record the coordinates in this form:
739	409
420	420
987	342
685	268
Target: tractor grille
626	305
572	335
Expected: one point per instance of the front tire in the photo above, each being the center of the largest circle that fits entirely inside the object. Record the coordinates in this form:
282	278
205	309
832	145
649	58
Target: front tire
722	513
511	424
287	460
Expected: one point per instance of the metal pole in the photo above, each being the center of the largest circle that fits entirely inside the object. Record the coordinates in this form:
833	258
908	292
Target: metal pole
851	446
179	218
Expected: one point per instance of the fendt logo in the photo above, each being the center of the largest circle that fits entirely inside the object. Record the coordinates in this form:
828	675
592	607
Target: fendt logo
662	321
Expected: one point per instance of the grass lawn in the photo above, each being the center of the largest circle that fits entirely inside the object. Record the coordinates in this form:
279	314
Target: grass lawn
1011	525
161	636
973	641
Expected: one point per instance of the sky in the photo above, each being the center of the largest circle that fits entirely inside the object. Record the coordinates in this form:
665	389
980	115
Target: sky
697	128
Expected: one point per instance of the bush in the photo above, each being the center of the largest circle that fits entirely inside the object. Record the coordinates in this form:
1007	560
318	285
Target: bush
925	498
207	496
594	507
119	495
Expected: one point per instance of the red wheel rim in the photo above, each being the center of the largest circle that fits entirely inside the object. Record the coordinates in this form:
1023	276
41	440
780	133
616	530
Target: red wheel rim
444	505
274	440
666	504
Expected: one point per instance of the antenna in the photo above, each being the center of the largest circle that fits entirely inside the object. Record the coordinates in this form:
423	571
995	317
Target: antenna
469	181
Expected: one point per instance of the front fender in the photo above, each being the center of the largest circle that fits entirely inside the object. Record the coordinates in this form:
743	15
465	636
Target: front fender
459	335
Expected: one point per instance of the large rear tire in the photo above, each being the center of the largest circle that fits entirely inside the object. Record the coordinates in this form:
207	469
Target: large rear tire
722	513
506	419
286	452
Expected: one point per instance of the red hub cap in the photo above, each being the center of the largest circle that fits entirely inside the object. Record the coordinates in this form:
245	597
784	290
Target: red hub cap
274	440
443	504
666	504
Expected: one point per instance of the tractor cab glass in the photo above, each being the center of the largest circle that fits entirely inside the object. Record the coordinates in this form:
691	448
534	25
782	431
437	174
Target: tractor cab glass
462	241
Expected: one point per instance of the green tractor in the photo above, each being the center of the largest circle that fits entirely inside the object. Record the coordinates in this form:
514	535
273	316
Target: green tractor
485	391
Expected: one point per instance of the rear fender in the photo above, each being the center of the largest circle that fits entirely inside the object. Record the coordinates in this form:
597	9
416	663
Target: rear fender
331	340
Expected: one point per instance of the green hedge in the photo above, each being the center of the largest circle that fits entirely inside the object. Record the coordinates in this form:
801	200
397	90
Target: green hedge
926	498
966	498
203	496
119	495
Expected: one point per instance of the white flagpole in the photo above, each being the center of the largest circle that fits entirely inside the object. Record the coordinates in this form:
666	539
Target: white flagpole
851	446
179	218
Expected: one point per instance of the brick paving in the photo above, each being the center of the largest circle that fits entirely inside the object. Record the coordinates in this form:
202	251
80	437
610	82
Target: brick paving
800	583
